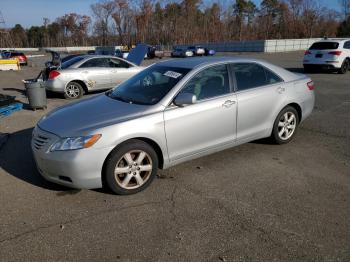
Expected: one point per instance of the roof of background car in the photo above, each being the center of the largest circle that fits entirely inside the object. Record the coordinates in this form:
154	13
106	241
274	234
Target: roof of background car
196	62
202	61
333	40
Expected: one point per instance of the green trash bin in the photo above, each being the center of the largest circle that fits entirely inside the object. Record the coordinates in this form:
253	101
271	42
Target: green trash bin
36	93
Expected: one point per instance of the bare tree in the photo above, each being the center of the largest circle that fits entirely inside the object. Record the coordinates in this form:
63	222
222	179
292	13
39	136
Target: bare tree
345	4
102	12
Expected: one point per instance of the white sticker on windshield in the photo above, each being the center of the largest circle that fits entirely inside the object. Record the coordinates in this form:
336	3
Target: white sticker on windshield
172	74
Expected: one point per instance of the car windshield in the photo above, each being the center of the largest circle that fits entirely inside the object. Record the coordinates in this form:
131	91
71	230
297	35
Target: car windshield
324	46
149	86
71	61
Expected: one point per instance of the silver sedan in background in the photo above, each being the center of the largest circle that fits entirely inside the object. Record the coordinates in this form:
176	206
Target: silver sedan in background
85	73
191	108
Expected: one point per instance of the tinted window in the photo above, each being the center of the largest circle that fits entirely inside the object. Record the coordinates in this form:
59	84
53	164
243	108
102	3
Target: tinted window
324	45
272	78
117	63
347	45
96	62
66	58
209	83
71	61
250	75
149	86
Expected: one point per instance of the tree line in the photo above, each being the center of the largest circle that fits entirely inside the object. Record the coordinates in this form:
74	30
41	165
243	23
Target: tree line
123	22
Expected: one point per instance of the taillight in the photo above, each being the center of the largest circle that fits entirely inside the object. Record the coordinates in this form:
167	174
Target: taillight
53	74
337	53
307	52
311	85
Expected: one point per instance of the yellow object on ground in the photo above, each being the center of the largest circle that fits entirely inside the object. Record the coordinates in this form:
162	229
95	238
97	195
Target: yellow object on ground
9	64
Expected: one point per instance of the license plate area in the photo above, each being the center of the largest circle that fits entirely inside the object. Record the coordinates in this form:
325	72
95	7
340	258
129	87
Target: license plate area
318	55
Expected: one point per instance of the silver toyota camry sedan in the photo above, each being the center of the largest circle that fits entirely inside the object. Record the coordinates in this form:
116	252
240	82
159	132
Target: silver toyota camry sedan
171	112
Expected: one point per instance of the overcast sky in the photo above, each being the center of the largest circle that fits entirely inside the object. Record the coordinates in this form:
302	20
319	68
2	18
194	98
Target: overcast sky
32	12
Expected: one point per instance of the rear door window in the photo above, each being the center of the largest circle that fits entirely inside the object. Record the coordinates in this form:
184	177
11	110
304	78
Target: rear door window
251	75
117	63
272	78
96	62
324	46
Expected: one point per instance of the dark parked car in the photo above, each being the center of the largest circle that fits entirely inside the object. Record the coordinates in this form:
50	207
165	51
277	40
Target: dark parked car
197	50
154	51
181	52
209	52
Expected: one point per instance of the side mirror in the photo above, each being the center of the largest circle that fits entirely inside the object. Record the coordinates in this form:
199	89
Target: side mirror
184	99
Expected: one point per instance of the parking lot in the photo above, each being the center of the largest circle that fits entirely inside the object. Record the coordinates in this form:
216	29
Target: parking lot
255	202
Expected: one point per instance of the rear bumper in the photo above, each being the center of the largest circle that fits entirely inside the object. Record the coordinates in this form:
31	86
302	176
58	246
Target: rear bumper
308	106
54	85
326	66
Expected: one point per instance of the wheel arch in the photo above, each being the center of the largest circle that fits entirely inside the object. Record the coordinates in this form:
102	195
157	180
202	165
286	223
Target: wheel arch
149	141
297	107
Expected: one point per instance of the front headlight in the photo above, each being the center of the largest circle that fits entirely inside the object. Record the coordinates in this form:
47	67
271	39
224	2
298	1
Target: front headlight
72	143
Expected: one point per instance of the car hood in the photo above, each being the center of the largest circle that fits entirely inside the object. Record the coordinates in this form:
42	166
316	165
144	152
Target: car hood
83	117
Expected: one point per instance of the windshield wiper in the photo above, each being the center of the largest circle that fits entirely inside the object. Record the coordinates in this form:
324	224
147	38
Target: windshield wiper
120	99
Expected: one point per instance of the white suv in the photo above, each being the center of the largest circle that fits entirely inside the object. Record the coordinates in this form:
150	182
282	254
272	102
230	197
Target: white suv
328	54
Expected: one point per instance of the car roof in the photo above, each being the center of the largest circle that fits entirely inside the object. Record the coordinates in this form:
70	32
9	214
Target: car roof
203	61
333	40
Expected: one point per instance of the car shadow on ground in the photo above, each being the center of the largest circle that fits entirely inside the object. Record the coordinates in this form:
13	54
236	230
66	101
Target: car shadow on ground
302	71
16	159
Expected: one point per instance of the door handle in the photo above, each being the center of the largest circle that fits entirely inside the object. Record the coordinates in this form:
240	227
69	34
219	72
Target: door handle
281	89
228	103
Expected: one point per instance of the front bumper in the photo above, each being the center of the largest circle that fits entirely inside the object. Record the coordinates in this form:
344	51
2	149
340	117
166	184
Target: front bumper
75	168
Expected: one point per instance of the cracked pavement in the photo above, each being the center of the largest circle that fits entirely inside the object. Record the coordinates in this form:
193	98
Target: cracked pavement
255	202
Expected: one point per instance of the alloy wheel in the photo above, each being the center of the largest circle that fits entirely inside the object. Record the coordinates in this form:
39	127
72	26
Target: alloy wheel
287	125
72	91
133	169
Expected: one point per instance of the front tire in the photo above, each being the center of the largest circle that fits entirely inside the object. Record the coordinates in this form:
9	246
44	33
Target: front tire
344	67
73	91
285	125
131	167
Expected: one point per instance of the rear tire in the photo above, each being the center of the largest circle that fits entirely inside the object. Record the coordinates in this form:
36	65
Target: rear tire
131	167
344	67
285	125
73	91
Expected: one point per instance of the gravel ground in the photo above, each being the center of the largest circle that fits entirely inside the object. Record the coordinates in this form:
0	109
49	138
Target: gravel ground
255	202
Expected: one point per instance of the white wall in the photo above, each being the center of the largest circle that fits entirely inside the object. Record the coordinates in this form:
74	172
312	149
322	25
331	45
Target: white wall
285	45
268	46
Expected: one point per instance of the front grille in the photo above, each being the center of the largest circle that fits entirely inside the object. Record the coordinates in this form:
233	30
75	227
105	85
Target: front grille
42	139
39	141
